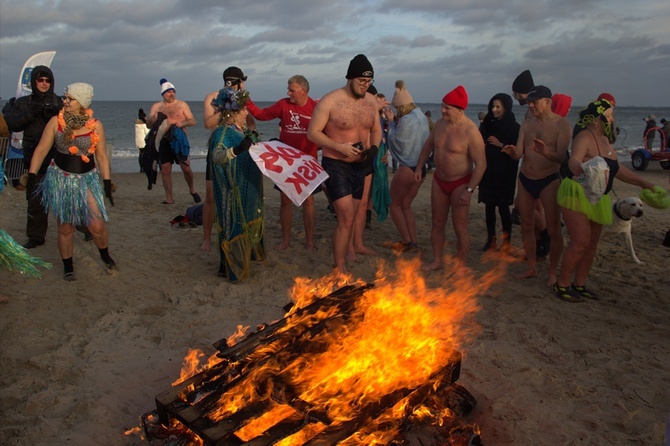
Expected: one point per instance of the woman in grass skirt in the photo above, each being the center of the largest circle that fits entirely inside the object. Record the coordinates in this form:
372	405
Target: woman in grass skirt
71	189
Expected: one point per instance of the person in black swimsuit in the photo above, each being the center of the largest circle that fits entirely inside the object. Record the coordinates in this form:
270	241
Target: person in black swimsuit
583	218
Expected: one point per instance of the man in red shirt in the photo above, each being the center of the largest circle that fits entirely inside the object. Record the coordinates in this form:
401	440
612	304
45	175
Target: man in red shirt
294	114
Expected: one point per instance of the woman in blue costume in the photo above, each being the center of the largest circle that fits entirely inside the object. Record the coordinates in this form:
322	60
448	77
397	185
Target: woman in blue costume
498	128
71	189
583	219
238	188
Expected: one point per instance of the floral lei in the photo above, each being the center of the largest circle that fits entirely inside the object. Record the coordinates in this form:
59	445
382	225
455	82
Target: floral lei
90	124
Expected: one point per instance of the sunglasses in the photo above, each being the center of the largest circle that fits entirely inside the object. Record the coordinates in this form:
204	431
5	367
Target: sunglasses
68	99
43	80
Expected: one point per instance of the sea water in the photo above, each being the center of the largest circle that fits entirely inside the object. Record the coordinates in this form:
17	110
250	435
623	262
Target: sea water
118	118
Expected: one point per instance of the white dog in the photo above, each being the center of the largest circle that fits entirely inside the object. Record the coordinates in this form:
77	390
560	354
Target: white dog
623	212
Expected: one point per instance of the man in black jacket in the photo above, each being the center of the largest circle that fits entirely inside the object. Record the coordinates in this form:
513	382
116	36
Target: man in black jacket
30	114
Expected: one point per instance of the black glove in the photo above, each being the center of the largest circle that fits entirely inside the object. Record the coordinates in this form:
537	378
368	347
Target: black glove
243	146
108	191
31	185
36	107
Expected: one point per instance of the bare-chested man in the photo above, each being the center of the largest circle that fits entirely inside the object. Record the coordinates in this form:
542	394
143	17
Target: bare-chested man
343	118
457	145
543	142
179	115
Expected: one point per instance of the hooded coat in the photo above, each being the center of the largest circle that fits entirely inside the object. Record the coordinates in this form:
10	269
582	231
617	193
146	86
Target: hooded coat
499	182
30	114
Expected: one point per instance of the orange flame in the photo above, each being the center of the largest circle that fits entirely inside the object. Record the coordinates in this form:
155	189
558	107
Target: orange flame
398	335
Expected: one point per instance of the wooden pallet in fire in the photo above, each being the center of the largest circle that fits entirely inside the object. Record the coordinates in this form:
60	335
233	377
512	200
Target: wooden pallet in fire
194	402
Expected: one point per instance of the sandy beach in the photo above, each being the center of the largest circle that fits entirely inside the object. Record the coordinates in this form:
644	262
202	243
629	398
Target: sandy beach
82	361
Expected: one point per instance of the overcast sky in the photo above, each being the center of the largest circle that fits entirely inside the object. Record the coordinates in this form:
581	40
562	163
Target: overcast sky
123	47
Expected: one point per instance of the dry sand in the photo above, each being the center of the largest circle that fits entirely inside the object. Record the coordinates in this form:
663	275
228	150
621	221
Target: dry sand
81	362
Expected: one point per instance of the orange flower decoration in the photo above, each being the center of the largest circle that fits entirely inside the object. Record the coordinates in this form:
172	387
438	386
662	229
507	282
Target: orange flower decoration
90	124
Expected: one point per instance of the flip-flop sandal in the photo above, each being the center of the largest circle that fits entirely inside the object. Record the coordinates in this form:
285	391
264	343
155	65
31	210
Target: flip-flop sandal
196	197
567	294
585	292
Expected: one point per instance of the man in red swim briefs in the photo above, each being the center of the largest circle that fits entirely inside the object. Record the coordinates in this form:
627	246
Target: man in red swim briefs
457	146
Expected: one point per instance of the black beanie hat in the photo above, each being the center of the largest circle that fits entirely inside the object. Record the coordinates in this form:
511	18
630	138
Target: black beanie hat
523	83
360	66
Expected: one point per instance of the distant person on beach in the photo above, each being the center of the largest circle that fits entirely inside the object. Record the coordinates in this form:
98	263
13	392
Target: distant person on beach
141	131
666	130
233	77
179	117
71	188
345	124
30	115
496	190
460	163
584	217
649	132
408	131
294	114
543	143
237	183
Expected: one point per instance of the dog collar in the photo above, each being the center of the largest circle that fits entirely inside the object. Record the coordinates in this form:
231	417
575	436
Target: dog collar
618	214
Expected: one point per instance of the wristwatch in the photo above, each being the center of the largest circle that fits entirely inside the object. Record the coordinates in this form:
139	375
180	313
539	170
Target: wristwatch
469	189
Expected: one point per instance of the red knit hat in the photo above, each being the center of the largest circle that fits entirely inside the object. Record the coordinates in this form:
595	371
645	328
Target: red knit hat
457	97
560	104
608	97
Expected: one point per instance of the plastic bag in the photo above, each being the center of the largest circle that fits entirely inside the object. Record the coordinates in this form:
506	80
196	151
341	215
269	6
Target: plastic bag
595	178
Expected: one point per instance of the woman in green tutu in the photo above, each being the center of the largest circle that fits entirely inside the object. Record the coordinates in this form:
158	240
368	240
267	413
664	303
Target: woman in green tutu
238	187
583	212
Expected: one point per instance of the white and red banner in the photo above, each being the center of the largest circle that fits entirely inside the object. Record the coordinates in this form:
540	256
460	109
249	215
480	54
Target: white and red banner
294	172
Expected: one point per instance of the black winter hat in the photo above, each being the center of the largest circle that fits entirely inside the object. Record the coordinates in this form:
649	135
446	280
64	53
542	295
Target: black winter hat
523	83
360	66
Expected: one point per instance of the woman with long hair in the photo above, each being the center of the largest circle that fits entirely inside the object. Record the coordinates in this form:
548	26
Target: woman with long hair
496	190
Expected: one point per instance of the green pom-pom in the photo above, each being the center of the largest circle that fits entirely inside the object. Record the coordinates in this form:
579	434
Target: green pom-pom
656	198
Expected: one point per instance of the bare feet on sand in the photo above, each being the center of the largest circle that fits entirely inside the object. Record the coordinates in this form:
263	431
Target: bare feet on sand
206	246
551	280
530	273
432	266
284	245
366	251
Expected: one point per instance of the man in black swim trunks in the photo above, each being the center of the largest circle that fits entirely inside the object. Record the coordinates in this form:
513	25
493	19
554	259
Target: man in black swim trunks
543	142
341	120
